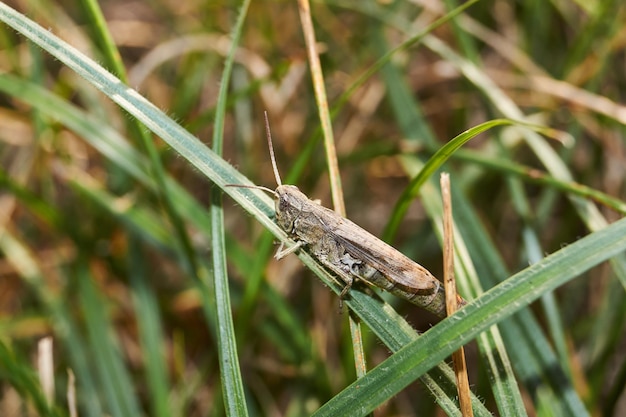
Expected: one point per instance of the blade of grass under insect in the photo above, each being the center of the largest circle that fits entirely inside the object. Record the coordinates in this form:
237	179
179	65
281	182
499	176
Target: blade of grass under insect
232	384
393	330
492	307
150	330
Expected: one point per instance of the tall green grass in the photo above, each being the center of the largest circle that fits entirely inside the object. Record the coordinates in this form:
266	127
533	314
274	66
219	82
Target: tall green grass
162	298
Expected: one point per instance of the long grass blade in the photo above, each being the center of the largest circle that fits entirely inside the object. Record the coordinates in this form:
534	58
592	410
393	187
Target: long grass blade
492	307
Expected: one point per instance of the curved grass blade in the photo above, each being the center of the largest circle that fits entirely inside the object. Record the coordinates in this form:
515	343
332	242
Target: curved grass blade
433	164
536	176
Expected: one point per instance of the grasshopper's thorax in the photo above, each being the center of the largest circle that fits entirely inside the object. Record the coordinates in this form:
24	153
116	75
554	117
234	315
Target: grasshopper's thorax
288	203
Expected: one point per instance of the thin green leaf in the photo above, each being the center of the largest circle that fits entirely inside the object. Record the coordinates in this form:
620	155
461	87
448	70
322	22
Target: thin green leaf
17	372
150	332
232	384
113	375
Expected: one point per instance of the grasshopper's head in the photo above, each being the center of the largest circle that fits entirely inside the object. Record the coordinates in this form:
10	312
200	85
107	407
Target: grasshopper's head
289	202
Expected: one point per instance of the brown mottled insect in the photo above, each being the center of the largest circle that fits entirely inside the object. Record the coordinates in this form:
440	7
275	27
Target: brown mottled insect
349	251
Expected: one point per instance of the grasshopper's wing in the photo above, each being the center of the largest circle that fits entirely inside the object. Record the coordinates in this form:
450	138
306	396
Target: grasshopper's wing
394	265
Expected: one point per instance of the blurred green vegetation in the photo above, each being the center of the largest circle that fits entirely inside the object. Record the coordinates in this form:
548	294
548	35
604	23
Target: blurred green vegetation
110	231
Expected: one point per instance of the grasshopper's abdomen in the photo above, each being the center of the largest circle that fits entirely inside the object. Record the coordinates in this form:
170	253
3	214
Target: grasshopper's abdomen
435	301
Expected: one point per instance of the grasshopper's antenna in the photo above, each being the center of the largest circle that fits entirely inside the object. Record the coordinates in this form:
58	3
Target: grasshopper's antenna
254	187
269	142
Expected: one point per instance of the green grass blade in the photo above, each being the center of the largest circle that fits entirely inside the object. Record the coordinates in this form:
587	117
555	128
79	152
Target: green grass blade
114	61
18	373
150	332
116	381
433	164
535	176
393	330
102	37
105	140
188	146
495	305
414	126
530	351
232	384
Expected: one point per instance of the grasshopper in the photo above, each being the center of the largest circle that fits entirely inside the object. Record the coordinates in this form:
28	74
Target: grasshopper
349	251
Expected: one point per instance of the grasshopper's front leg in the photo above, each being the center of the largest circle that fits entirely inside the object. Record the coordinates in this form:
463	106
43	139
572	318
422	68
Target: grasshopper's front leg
282	251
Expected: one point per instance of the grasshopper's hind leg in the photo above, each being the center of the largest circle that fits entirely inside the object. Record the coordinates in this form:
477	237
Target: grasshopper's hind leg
346	277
